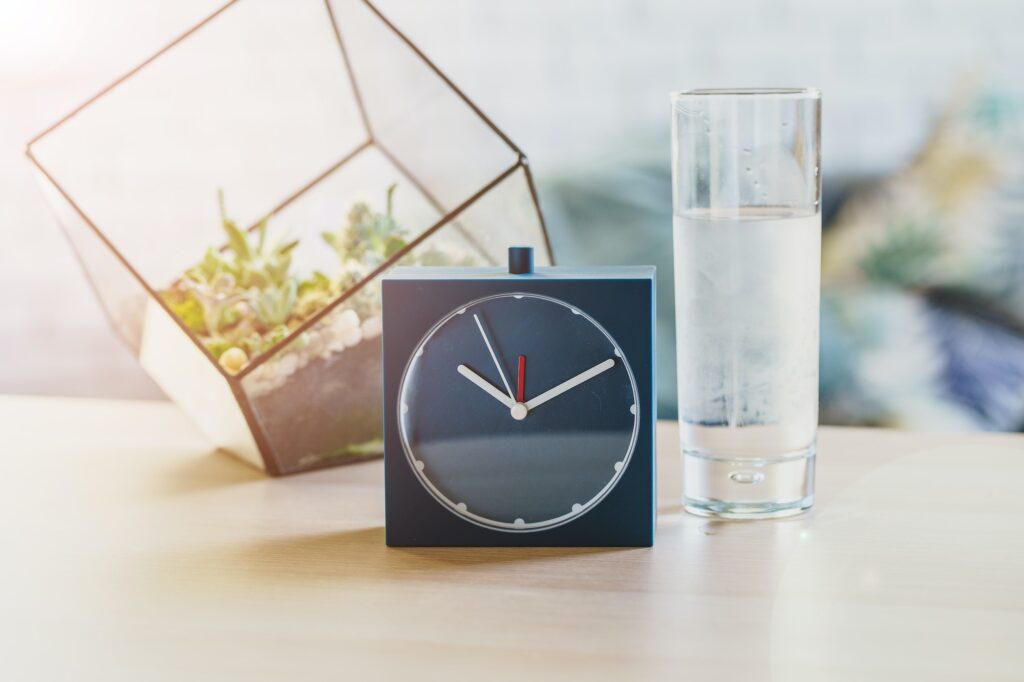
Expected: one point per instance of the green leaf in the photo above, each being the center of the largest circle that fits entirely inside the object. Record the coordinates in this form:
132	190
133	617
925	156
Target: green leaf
318	282
274	305
391	198
211	264
261	231
393	245
237	241
220	204
217	346
188	309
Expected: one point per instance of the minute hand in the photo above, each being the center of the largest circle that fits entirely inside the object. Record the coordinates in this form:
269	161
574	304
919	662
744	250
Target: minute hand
571	383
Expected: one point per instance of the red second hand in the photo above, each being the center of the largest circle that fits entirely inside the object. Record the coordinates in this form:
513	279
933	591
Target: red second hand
521	389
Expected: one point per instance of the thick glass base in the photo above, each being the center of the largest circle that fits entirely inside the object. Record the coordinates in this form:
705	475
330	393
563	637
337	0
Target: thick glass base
748	488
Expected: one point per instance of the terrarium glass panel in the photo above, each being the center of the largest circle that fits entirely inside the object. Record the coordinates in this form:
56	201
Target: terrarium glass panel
235	199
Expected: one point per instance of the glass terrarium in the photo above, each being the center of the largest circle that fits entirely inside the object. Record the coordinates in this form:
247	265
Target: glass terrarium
235	199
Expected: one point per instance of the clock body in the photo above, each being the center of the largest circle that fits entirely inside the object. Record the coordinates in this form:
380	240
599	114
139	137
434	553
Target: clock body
519	408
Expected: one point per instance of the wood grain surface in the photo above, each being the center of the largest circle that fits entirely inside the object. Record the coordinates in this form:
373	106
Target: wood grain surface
131	551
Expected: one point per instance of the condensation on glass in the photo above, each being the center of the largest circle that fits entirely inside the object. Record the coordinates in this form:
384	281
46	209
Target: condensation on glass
747	236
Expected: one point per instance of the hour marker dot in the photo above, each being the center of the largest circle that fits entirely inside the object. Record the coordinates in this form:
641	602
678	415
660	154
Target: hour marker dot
576	508
574	311
459	312
618	354
419	352
405	408
519	523
461	506
632	409
420	465
517	296
618	466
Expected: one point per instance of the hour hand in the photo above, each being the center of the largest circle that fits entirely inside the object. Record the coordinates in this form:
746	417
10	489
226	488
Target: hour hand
487	386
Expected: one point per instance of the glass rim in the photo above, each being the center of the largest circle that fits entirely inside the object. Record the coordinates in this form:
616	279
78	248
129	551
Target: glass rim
794	93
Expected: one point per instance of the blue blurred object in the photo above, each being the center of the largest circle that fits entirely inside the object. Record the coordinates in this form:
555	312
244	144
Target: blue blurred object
922	279
984	366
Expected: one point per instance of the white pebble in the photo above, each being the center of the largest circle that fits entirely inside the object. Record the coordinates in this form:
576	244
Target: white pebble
233	360
316	343
287	365
353	337
345	321
371	327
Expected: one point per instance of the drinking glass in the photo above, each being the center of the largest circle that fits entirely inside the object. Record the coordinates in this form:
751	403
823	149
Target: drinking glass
747	232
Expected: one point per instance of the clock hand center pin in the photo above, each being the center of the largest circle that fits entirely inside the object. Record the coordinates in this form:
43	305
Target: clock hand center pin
518	410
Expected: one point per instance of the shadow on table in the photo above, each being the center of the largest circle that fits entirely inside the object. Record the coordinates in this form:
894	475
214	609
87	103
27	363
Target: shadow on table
361	554
216	469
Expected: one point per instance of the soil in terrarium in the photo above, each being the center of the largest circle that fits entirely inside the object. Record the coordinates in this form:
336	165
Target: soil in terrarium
329	410
318	396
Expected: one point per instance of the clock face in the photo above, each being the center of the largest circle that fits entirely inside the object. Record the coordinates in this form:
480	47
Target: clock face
518	412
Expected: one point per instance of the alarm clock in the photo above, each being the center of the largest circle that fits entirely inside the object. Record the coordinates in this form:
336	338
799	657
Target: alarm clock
519	405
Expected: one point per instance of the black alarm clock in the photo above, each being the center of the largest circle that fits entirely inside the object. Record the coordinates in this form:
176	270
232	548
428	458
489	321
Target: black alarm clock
519	405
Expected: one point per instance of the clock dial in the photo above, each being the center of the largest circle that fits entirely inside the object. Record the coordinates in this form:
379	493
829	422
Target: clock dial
518	412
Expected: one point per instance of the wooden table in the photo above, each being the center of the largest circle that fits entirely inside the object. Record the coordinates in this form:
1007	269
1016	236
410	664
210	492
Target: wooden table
133	552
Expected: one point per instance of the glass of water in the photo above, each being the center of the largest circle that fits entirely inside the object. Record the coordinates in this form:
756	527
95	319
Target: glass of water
747	231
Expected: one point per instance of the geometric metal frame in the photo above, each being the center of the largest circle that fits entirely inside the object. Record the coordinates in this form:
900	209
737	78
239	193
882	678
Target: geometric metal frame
448	214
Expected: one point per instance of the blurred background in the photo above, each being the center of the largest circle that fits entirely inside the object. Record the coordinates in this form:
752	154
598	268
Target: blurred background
923	171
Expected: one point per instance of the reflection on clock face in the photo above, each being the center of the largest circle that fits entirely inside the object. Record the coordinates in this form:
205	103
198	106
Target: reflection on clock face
518	412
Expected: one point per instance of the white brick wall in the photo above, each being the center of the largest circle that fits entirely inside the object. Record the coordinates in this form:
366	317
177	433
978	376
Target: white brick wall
578	83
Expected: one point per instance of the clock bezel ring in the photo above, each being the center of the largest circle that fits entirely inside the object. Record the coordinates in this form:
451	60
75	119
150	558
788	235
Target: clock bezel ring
453	506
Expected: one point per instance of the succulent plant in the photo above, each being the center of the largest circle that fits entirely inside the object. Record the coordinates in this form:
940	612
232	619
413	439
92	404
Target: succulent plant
218	299
243	298
367	239
274	304
238	296
257	262
314	293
